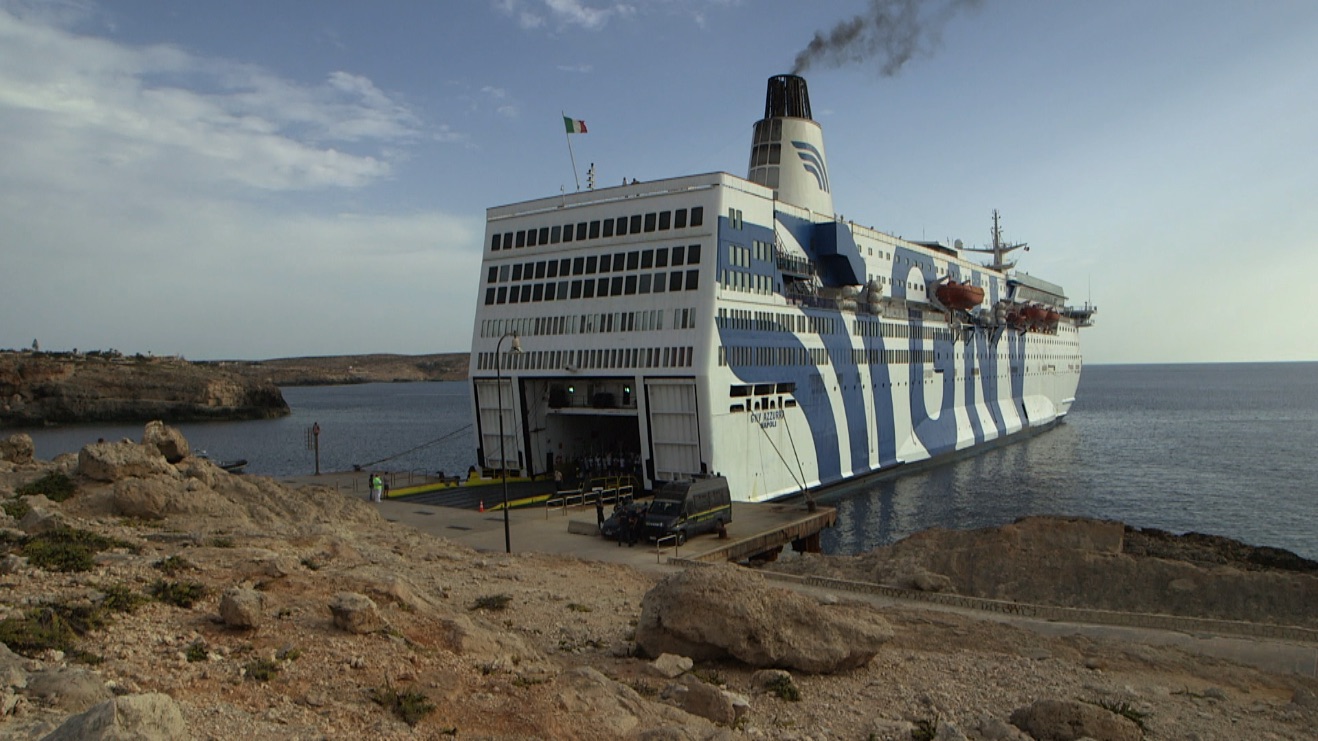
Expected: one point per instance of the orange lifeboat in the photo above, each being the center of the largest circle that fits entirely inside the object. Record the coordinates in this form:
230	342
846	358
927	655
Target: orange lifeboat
1052	318
961	296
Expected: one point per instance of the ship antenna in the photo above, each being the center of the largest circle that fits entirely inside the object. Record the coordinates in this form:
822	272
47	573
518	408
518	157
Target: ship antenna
999	249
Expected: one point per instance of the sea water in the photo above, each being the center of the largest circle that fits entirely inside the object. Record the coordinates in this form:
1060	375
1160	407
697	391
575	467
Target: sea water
1226	449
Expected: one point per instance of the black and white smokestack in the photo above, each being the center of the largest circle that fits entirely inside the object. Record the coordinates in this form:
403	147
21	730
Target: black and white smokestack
787	96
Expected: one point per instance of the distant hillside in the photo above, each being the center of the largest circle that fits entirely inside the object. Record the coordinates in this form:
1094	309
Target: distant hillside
343	369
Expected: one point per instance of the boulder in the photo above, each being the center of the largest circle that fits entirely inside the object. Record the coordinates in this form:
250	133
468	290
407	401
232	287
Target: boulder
671	666
715	612
114	461
143	499
355	613
68	688
709	702
150	717
17	448
1070	720
242	607
168	440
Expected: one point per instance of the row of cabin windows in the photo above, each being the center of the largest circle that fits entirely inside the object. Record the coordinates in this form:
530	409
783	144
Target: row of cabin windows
618	321
786	356
620	226
771	321
614	357
618	285
647	259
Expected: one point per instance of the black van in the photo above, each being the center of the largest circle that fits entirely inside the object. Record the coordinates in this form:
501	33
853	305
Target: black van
687	508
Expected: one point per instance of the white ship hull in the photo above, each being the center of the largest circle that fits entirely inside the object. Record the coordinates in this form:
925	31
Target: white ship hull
702	325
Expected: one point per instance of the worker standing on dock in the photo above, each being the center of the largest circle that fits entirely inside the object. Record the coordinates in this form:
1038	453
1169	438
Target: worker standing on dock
377	487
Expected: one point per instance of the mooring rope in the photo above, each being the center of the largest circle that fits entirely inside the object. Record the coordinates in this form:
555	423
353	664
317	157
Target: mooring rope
360	466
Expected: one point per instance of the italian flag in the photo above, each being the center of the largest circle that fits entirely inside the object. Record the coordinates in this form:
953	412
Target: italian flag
574	126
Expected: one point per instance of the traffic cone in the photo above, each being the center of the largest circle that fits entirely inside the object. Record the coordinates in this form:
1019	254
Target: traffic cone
482	505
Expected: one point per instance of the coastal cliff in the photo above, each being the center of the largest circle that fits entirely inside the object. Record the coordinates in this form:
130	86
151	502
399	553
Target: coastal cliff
64	388
332	370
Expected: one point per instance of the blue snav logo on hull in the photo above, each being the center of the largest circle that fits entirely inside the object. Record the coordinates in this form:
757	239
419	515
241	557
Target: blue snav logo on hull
813	162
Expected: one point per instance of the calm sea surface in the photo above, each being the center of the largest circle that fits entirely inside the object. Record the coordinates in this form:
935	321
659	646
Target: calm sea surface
1228	449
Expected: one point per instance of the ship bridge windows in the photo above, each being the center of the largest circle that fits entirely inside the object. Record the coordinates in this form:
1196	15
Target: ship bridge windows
629	264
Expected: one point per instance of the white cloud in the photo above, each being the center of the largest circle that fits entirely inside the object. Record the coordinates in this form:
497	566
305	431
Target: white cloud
533	14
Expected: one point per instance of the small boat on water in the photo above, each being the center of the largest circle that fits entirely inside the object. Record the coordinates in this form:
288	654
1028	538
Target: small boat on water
232	466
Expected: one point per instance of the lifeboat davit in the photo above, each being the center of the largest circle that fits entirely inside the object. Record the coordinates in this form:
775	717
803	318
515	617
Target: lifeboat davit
961	296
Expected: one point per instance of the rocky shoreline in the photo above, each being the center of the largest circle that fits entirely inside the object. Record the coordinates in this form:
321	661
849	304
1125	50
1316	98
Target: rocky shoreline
196	604
38	389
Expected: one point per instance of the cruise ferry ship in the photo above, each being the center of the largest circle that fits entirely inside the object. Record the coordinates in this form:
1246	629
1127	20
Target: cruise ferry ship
717	325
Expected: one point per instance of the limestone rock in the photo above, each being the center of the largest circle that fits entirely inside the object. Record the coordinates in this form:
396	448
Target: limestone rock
168	440
766	678
40	519
242	607
12	673
69	688
151	717
114	461
143	499
727	611
671	665
1070	720
17	448
709	702
355	613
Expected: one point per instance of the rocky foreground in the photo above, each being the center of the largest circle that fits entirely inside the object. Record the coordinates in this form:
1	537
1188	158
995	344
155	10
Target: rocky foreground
145	593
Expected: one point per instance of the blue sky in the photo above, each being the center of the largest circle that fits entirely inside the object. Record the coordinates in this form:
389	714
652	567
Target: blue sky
270	179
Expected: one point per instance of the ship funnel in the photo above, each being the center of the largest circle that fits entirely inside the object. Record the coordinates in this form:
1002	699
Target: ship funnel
787	149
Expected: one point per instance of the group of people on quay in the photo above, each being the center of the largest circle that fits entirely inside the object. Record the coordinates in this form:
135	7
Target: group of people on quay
576	472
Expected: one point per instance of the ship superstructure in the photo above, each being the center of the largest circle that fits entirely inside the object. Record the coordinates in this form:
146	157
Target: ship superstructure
712	324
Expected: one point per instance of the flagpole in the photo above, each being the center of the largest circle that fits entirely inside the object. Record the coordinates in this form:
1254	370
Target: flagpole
570	155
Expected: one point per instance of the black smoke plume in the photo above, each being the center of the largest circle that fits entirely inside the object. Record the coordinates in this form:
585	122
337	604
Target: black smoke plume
891	32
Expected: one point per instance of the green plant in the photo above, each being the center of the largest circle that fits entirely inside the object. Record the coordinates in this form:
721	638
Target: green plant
262	670
785	688
179	594
16	508
710	676
36	630
1124	709
311	563
171	565
196	652
288	654
492	602
410	706
55	486
578	607
67	549
119	598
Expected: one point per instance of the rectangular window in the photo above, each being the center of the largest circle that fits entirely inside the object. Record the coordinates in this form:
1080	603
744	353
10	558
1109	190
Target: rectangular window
679	255
521	238
675	281
665	220
602	287
622	226
526	293
659	282
581	231
549	291
661	257
590	264
633	260
636	224
651	220
605	263
544	235
692	254
489	295
567	232
594	230
616	290
692	280
514	295
493	275
697	215
608	228
562	290
495	240
555	234
503	294
578	265
645	283
517	271
552	269
647	258
531	238
679	218
629	288
588	288
538	294
576	289
540	270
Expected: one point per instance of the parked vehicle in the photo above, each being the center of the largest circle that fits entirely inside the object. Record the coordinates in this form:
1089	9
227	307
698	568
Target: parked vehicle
686	508
616	520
